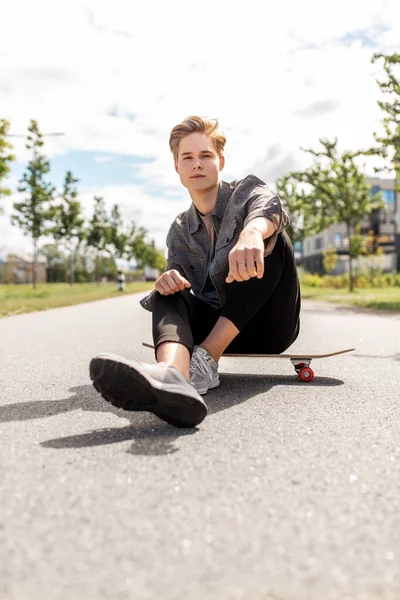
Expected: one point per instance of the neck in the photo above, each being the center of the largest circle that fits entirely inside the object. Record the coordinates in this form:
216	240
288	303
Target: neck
205	200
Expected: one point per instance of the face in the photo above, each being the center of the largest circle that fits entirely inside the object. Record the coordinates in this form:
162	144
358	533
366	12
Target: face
198	164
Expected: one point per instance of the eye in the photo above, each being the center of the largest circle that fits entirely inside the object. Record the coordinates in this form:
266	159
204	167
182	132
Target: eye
187	158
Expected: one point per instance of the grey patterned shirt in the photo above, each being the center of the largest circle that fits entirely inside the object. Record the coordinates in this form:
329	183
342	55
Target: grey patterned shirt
188	242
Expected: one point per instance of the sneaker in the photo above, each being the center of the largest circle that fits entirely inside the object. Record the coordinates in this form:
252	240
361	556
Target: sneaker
203	371
160	389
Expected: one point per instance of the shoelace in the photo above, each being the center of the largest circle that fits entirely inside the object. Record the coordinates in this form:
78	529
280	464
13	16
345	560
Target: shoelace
200	362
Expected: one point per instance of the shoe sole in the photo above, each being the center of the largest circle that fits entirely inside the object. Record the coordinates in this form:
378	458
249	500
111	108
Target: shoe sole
204	391
124	386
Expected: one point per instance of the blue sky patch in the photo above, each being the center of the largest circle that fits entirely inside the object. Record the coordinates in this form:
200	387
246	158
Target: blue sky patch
367	37
93	169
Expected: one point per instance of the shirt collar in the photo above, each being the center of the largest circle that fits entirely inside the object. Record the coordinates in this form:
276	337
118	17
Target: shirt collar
224	193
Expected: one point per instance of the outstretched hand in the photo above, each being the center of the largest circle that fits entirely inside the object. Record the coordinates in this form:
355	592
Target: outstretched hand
246	259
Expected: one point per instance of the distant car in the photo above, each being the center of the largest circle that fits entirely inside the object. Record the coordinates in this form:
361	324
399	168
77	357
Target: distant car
151	274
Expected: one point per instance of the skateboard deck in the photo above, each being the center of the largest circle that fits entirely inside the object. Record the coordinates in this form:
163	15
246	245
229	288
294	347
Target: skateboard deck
301	362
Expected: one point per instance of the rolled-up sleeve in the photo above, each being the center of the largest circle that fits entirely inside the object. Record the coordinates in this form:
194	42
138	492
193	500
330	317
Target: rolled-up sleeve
263	203
257	200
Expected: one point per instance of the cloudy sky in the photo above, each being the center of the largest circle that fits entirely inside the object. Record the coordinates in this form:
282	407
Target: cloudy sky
115	76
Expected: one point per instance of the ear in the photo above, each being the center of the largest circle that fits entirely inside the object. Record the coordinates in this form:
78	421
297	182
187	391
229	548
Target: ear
176	166
221	162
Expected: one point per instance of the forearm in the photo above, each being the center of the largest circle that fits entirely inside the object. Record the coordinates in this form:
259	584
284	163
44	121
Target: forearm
261	224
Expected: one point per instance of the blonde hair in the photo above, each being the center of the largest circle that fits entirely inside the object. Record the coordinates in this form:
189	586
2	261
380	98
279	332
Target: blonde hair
196	124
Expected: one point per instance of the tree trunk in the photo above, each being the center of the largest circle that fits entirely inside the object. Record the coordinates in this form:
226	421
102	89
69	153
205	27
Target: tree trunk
351	275
71	266
34	263
397	219
351	271
97	268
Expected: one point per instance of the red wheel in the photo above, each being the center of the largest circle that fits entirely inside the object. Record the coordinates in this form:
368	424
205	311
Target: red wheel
306	374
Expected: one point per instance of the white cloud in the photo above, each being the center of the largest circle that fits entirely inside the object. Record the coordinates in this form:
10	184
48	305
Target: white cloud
278	76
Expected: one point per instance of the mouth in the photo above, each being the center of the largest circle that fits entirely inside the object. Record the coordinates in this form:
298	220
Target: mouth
197	176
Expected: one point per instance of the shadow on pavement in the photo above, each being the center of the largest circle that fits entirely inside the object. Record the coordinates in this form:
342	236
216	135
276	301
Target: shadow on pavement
150	435
395	357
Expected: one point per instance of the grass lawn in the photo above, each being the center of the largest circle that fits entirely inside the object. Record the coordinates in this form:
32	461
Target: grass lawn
378	298
18	299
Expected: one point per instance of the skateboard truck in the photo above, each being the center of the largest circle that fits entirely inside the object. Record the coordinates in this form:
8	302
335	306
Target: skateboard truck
302	368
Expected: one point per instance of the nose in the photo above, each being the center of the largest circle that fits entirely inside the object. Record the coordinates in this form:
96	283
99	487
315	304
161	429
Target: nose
197	164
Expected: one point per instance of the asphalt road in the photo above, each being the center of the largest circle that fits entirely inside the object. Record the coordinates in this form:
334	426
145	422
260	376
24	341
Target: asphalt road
287	491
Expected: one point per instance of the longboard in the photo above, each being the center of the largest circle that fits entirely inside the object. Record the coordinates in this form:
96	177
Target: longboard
301	362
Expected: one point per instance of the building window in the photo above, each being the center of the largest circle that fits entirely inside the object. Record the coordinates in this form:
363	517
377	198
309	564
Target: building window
375	189
389	196
297	246
337	240
318	243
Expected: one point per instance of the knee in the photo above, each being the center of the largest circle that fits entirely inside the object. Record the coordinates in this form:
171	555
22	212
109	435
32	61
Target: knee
169	299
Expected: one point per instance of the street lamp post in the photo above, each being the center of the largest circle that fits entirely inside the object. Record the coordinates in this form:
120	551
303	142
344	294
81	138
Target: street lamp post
43	134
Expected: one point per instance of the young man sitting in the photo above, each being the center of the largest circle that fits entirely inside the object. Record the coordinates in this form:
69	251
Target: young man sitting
230	285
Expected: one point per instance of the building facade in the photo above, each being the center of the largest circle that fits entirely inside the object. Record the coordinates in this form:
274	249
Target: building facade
385	223
19	269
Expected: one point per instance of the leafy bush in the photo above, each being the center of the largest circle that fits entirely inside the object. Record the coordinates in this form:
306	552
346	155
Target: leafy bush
312	280
363	280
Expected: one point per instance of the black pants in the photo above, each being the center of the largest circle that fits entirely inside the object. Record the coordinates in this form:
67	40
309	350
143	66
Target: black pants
266	311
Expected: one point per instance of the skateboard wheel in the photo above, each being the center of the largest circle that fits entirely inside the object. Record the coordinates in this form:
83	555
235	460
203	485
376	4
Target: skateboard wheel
306	374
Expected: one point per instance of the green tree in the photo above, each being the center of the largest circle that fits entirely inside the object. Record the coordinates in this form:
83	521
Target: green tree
337	193
374	253
57	263
330	259
83	264
153	257
389	141
6	158
97	234
33	213
300	207
136	246
116	243
69	222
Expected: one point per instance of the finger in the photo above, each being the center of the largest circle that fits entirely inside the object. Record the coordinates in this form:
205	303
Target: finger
250	264
243	271
233	267
178	279
161	289
230	278
166	284
260	264
186	283
173	285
